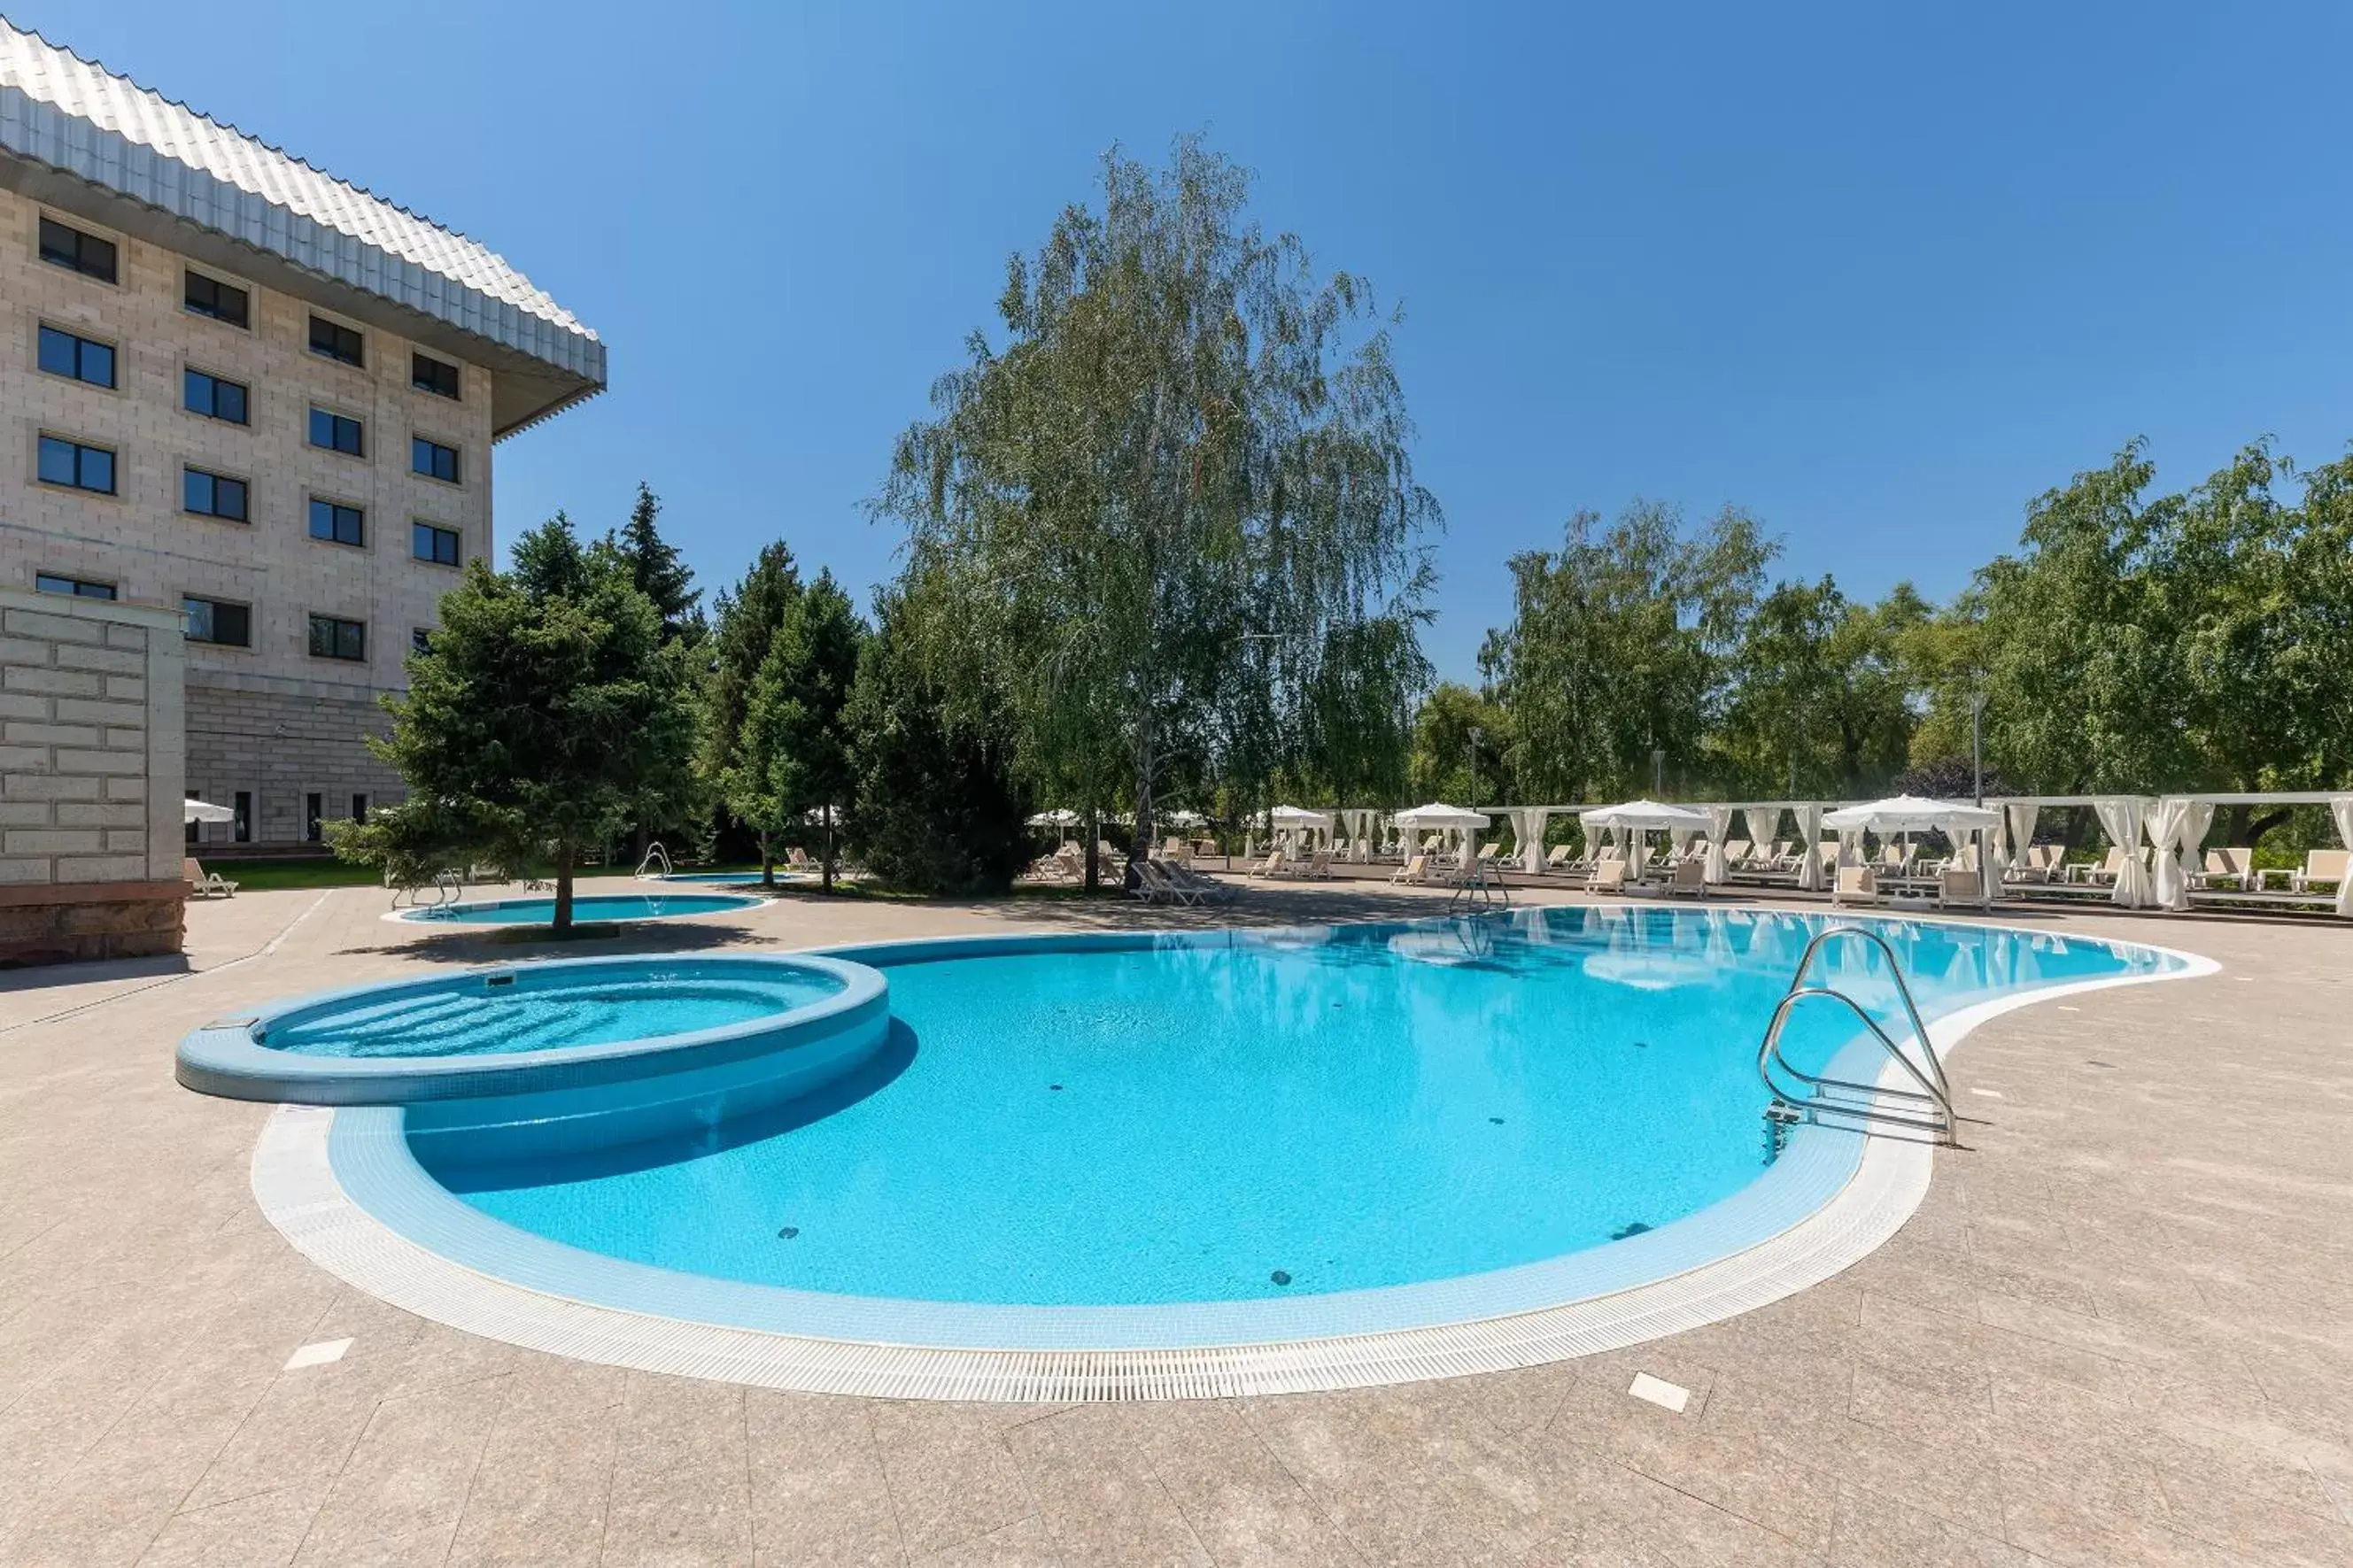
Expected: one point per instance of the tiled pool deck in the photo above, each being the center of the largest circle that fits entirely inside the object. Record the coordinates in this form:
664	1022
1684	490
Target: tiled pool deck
2120	1330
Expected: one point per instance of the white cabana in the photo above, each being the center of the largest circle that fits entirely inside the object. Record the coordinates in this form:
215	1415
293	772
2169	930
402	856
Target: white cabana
1636	818
1294	822
204	811
1918	814
1451	820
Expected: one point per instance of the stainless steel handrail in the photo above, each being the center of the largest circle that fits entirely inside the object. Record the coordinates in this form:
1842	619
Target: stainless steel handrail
1934	1093
654	853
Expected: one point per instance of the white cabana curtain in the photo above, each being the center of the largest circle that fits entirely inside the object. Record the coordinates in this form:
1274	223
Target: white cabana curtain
2021	827
1809	839
2341	809
1762	820
2120	819
2177	828
1680	839
1719	823
1528	824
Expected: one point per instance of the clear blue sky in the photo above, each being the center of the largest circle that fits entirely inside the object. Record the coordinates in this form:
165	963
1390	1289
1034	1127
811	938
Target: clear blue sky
1879	273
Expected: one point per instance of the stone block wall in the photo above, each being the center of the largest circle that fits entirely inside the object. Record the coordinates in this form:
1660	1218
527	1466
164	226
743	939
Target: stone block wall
91	748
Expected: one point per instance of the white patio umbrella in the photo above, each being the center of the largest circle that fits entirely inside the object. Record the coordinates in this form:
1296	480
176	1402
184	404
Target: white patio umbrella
1182	817
1918	814
1063	818
1636	818
204	811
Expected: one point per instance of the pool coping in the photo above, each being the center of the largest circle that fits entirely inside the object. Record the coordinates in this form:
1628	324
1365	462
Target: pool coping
296	1180
223	1059
422	914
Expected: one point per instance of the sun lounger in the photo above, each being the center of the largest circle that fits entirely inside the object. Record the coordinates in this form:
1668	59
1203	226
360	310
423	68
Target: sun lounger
1609	877
2320	866
1414	871
206	884
1736	852
1270	867
1856	884
1691	876
1559	860
1960	886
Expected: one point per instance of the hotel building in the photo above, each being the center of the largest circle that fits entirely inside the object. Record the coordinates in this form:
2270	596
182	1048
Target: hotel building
237	387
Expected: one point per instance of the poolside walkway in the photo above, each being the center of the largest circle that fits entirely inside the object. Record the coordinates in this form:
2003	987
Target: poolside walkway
2120	1330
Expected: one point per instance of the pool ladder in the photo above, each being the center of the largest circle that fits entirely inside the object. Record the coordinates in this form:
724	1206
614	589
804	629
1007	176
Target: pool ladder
1926	1110
655	855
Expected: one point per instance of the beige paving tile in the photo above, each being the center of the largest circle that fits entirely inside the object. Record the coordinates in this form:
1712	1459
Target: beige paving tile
818	1492
679	1517
952	1478
406	1482
1024	1543
1874	1532
263	1529
1098	1492
1243	1506
539	1495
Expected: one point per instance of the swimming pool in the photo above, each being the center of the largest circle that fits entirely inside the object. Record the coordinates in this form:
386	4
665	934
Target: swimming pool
1232	1139
595	907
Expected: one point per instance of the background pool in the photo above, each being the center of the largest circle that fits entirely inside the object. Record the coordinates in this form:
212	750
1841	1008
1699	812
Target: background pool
1371	1106
600	907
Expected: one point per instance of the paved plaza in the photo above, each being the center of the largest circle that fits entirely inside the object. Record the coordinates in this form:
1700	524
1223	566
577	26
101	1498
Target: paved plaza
2120	1330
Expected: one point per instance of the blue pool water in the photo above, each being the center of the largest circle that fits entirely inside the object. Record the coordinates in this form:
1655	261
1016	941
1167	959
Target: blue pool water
601	907
537	1012
1363	1106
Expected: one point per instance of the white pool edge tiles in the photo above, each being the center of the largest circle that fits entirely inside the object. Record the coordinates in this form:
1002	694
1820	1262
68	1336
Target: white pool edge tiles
296	1184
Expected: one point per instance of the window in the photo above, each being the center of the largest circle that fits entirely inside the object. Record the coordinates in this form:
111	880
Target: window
212	397
433	459
76	465
332	638
420	639
429	374
48	584
439	545
243	830
312	809
358	808
221	301
83	253
337	433
63	354
209	620
207	494
337	523
337	342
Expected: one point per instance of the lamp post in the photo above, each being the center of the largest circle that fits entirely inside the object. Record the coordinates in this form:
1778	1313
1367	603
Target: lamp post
1658	771
1474	767
1977	742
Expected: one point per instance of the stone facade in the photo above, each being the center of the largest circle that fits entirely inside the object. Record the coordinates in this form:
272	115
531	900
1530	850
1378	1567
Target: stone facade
91	770
269	719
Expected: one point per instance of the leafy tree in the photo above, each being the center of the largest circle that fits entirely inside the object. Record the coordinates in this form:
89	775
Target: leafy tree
656	568
1821	696
939	806
545	714
1148	510
1442	748
1619	645
792	756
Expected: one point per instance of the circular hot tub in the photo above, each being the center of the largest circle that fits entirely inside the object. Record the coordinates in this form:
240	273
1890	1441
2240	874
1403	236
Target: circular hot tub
550	1040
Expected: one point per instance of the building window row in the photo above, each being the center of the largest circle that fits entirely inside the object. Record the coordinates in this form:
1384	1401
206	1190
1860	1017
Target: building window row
62	244
225	624
50	583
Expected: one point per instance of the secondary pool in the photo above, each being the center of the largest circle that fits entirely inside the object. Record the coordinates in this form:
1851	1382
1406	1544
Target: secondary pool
579	1050
731	879
595	907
